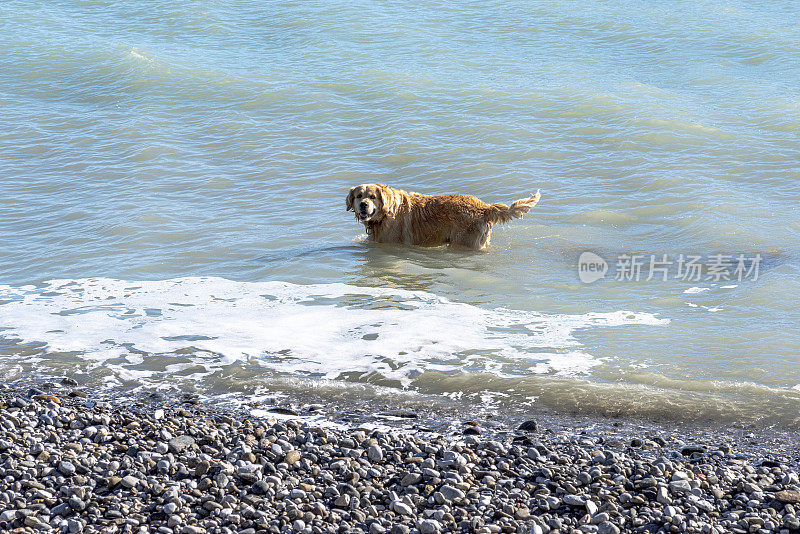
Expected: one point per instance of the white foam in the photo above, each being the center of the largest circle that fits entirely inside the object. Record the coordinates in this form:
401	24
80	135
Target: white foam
140	55
696	290
322	330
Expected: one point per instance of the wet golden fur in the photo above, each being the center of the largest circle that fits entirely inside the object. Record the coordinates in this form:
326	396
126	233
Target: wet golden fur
396	216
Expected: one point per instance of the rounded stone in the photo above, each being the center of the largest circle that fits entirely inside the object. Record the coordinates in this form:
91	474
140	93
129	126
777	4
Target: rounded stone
375	453
429	526
291	457
66	468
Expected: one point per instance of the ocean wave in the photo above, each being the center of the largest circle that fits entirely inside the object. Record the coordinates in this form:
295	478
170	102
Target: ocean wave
142	331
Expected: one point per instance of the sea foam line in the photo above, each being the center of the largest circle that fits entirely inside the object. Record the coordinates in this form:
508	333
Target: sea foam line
321	330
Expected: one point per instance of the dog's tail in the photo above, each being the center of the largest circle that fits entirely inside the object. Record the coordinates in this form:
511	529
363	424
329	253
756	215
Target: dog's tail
500	213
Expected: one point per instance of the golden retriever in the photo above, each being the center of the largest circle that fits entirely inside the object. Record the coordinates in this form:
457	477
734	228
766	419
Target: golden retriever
396	216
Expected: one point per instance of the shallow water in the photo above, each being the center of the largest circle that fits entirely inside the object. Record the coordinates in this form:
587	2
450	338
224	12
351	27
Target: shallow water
180	171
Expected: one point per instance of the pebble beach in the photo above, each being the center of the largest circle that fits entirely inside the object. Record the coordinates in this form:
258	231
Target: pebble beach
72	463
196	336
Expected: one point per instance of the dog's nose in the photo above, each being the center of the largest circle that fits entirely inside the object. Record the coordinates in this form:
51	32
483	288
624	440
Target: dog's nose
363	206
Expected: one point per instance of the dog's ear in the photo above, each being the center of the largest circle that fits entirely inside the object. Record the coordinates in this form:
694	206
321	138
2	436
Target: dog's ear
390	199
350	197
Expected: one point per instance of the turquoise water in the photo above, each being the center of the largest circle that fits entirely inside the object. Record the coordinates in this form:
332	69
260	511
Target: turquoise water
182	169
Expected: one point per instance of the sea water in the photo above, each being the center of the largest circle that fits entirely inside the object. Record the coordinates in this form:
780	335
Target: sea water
173	179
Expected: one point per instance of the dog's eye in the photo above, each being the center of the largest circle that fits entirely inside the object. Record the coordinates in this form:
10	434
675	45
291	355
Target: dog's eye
372	197
358	195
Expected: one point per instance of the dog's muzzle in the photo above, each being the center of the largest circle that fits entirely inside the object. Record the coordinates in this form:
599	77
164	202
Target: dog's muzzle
365	211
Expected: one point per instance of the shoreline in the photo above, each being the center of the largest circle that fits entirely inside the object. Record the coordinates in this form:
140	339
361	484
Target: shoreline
82	462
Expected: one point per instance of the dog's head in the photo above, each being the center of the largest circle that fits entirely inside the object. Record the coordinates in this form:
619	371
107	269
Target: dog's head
372	202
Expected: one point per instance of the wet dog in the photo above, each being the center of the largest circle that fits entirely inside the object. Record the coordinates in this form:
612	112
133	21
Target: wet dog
395	216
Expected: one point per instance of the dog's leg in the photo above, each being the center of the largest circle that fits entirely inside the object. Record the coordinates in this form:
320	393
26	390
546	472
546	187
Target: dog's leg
474	237
488	239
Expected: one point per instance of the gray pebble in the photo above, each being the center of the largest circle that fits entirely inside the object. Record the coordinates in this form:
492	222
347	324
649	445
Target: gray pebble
66	468
574	500
375	453
607	527
180	443
402	508
429	526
